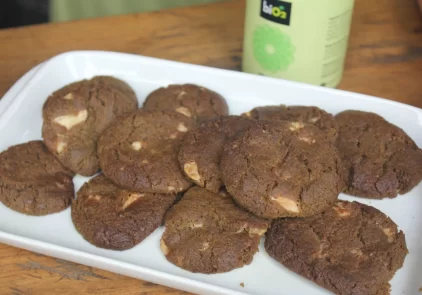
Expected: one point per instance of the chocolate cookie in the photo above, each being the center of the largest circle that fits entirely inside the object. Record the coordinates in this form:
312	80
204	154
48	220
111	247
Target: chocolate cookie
76	115
201	150
207	233
139	152
304	114
32	180
280	168
193	101
380	159
110	217
350	249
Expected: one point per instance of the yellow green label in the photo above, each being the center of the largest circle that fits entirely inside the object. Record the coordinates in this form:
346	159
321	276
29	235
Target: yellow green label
301	40
272	48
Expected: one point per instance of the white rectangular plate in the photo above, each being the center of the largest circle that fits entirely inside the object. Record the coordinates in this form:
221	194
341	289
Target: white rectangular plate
54	235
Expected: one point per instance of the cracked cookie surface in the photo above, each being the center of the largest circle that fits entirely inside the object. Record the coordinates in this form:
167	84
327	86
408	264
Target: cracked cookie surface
193	101
380	159
76	115
304	114
350	249
207	233
33	181
280	168
139	152
110	217
201	150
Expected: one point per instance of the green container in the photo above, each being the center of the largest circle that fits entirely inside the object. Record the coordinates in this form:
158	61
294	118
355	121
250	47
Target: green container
300	40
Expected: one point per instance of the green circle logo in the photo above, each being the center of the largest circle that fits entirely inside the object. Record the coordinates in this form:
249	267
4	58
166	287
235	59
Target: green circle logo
272	49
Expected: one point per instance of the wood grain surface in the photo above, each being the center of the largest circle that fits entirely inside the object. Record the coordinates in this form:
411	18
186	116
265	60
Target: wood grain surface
384	59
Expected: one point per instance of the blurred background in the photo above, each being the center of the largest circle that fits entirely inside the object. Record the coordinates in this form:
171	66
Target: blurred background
14	13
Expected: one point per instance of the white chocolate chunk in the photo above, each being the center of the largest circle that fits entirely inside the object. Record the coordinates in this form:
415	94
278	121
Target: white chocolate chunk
131	198
389	233
182	127
341	210
320	252
184	111
68	96
314	119
242	228
191	170
296	125
69	121
61	146
181	94
251	230
357	252
94	197
205	246
257	231
197	225
288	204
307	139
171	188
136	145
164	247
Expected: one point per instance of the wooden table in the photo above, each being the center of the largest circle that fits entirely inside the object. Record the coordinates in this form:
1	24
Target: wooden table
384	59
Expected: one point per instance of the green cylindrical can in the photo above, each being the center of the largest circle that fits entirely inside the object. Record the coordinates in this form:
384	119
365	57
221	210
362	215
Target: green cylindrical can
300	40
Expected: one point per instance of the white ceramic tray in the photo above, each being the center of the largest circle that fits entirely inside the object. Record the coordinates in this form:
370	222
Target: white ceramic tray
54	235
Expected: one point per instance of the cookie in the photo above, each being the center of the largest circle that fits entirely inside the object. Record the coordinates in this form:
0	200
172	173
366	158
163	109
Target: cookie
280	168
110	217
350	249
207	233
139	152
201	150
193	101
32	180
304	114
380	159
77	114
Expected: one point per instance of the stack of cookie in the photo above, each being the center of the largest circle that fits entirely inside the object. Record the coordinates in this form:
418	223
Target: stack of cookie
220	182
